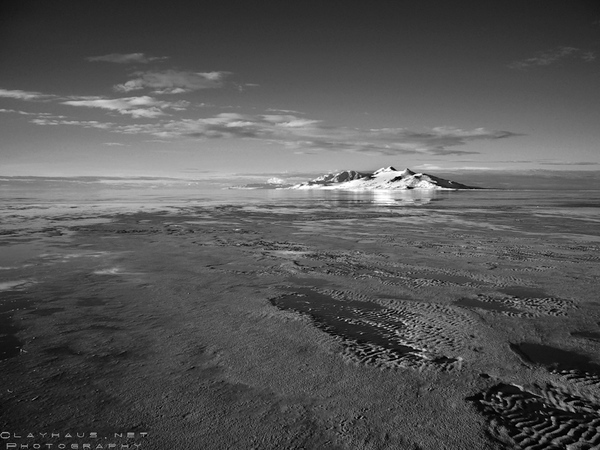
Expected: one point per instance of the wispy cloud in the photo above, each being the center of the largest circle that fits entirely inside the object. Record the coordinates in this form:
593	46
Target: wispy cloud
285	111
114	144
140	106
306	135
79	123
552	56
24	95
451	169
284	127
126	58
300	134
569	163
14	111
173	81
136	107
243	87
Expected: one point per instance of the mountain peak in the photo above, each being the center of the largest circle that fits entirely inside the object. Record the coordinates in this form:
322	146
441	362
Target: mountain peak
385	169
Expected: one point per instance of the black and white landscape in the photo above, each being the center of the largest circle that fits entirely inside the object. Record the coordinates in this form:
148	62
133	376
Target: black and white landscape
238	225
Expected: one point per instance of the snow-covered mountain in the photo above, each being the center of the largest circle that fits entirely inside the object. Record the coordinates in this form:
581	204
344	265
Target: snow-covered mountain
385	178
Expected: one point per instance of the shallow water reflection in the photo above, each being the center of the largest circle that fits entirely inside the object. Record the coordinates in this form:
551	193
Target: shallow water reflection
489	305
362	322
554	358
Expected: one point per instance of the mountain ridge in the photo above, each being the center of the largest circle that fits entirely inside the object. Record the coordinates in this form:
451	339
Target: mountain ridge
385	178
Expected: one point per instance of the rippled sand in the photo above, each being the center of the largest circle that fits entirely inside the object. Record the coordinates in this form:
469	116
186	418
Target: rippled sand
255	326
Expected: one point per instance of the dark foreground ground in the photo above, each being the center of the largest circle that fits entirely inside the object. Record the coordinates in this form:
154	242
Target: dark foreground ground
249	327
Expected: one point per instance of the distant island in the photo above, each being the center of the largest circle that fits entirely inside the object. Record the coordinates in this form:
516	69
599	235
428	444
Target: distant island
384	178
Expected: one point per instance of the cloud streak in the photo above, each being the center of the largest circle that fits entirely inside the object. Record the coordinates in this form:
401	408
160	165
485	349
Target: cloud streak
568	163
305	135
553	56
79	123
126	58
173	81
309	136
136	107
286	128
14	111
24	95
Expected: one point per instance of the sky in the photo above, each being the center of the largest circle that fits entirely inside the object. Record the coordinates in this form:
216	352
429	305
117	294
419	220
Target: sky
200	89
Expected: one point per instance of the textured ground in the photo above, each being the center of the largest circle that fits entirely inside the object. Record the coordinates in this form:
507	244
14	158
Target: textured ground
269	328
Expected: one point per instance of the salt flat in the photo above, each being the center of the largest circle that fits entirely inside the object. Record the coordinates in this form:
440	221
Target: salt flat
335	320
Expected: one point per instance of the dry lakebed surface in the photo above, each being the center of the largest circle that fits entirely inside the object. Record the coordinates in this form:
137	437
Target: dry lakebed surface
300	326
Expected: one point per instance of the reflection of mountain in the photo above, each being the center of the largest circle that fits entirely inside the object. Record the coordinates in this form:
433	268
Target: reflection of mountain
390	197
386	178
